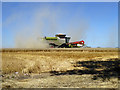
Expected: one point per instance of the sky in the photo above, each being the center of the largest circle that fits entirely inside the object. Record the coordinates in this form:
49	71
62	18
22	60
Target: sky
94	22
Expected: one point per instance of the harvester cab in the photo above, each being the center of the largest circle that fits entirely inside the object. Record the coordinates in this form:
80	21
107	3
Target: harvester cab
64	37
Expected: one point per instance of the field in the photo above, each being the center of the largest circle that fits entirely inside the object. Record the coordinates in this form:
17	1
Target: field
60	68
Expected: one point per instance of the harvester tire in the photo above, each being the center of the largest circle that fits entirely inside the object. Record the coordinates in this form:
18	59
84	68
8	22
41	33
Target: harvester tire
63	46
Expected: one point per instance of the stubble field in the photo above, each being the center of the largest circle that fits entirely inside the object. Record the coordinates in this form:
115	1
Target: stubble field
60	68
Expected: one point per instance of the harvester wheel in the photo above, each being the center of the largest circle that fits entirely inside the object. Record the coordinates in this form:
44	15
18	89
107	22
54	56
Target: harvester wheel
63	46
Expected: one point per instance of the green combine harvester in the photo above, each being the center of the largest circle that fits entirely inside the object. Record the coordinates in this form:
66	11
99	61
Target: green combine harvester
62	41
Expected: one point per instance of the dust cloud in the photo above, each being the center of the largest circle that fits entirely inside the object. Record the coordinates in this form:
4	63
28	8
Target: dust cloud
45	21
78	27
78	32
31	36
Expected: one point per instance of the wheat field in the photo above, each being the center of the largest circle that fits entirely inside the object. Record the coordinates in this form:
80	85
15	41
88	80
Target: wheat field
52	68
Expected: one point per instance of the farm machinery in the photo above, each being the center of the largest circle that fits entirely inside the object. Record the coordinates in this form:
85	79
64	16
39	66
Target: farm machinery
62	41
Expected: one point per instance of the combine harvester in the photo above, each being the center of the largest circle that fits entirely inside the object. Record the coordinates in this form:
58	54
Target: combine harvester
62	41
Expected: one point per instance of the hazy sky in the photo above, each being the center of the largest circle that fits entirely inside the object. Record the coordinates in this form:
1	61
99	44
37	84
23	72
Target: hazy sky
95	23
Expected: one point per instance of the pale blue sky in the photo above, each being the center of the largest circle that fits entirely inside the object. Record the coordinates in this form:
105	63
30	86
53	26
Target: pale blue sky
96	23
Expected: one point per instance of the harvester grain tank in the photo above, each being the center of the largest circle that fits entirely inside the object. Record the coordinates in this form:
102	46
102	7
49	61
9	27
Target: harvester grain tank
62	41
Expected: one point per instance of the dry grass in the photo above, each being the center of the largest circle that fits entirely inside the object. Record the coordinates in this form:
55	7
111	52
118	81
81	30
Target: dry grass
45	61
30	63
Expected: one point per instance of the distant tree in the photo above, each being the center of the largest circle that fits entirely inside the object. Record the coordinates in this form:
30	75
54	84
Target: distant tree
98	47
88	47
